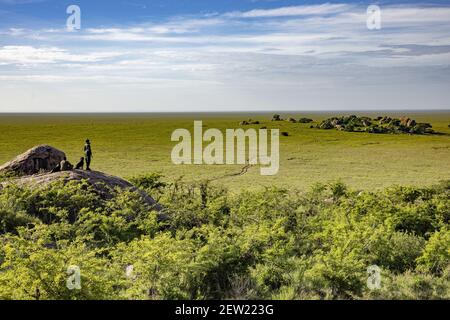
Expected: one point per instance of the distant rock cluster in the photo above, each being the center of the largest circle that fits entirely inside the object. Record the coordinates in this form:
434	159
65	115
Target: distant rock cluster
353	123
248	122
376	125
277	117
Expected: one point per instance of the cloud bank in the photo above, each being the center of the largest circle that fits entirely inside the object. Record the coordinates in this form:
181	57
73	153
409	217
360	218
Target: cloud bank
305	57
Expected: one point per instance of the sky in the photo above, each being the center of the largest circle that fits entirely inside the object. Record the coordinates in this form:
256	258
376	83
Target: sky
223	55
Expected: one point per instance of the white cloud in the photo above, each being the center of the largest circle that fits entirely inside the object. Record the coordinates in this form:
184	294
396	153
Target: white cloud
259	57
304	10
419	15
28	55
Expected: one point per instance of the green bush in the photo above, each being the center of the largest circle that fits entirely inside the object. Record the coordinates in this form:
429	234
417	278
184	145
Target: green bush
263	244
436	255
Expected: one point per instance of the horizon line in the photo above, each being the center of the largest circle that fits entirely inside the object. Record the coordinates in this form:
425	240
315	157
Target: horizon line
220	111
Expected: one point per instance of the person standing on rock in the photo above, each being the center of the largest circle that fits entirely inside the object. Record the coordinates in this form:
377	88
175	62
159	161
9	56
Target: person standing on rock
88	154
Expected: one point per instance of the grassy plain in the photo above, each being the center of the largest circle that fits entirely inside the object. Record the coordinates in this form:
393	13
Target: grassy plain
131	144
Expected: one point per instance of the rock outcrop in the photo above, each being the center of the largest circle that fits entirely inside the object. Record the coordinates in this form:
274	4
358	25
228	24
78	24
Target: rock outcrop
305	120
103	183
377	125
276	117
248	122
38	159
32	169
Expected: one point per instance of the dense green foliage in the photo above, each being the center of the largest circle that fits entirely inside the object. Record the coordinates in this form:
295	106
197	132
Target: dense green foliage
270	243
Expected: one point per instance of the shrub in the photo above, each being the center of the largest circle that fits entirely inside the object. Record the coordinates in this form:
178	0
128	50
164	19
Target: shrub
436	255
267	243
305	120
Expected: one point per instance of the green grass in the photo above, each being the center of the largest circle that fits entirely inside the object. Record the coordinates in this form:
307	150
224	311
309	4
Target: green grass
131	144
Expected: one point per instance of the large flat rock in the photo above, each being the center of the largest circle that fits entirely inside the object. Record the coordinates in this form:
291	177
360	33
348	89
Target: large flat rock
33	169
38	159
102	183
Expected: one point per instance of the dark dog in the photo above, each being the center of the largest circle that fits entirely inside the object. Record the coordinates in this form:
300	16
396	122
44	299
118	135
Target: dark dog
80	164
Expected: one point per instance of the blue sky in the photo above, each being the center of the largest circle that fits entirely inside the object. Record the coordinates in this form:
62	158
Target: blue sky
236	55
